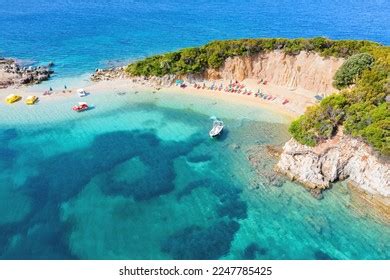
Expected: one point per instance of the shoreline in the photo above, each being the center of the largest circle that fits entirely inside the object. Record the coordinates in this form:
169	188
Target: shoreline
233	98
113	94
299	99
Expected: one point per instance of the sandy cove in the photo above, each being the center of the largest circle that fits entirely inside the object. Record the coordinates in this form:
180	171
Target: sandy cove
299	99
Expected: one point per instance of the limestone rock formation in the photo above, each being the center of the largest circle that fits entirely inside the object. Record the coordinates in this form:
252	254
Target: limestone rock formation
11	73
342	157
108	74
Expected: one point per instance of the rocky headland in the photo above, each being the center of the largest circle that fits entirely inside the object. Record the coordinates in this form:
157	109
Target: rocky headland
12	74
340	158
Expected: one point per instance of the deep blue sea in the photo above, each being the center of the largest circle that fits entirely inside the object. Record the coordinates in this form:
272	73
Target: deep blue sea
81	35
138	177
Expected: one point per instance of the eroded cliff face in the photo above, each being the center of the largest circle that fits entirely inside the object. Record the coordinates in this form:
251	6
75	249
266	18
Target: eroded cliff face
339	158
306	70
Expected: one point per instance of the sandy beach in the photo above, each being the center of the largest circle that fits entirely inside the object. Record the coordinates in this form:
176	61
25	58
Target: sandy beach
298	99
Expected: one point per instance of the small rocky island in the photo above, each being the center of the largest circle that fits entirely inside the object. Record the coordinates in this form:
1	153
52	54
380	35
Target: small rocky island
12	74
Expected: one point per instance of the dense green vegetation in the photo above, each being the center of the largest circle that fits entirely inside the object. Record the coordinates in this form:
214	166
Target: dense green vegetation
351	69
362	110
360	106
212	55
319	122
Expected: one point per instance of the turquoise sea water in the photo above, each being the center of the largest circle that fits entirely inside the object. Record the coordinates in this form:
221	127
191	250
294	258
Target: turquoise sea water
138	176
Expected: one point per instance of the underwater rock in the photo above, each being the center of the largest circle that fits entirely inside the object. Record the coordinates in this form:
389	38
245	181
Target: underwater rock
197	243
320	224
252	251
262	158
233	209
147	187
192	186
198	158
234	147
41	241
8	134
316	193
7	156
320	255
231	205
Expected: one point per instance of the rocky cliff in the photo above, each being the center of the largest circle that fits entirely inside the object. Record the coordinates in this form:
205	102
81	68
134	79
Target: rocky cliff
339	158
306	70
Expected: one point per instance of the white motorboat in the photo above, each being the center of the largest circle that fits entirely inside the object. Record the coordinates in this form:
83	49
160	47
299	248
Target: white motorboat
217	128
81	92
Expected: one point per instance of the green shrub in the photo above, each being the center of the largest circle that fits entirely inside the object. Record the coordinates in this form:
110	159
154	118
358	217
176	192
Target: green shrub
301	130
320	122
378	135
358	118
351	69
